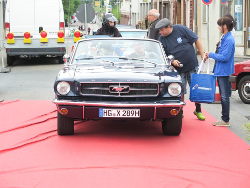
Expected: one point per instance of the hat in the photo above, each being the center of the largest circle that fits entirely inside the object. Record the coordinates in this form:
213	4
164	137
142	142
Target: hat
162	23
110	17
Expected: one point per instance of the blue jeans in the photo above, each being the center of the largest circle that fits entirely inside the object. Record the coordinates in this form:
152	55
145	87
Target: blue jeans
225	93
186	78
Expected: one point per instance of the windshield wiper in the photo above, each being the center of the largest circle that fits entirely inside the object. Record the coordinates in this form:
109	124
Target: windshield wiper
94	63
135	59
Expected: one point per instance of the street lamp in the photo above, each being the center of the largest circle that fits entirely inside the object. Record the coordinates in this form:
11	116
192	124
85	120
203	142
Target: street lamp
85	13
69	12
130	12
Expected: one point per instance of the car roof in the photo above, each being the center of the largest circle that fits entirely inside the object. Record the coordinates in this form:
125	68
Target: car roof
103	37
133	30
120	26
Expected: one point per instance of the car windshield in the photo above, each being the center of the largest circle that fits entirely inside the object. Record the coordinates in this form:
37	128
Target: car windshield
119	51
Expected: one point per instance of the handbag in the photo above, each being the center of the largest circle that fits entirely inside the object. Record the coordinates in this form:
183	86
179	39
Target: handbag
202	88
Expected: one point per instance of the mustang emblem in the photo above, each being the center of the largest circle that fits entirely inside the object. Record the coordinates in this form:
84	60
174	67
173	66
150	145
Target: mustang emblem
118	89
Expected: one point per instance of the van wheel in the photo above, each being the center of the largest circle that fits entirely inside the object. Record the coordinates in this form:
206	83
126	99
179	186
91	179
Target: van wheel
172	126
60	60
10	60
244	89
65	125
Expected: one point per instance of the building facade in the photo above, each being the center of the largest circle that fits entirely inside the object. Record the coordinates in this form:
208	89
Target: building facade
136	14
207	25
202	19
196	15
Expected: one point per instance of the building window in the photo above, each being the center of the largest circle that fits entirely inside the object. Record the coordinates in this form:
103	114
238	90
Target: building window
238	16
226	8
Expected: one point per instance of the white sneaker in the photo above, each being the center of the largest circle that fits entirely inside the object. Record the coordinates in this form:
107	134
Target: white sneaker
221	124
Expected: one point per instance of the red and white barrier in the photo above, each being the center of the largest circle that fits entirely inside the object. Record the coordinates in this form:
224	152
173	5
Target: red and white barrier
217	97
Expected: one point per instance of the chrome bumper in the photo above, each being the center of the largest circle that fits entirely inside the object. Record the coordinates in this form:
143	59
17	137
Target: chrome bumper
117	104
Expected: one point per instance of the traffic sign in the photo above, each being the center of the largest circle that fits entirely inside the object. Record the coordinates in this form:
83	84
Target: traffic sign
97	3
224	1
207	2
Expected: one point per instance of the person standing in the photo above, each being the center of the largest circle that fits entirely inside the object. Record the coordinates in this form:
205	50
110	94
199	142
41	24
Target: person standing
178	40
89	30
224	66
108	26
153	18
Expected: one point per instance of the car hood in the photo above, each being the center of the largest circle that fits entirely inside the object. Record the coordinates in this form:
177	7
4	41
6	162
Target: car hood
126	73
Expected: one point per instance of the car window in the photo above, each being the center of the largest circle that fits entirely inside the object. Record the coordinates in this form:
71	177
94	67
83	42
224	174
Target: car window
132	49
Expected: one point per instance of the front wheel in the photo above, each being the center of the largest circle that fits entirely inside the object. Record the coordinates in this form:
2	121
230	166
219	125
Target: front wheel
172	126
10	60
244	89
65	125
60	60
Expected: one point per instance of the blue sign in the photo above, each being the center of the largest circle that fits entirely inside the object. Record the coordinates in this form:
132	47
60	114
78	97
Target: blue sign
207	2
224	1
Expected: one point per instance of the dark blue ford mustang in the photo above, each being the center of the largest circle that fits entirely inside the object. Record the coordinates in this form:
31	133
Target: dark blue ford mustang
118	78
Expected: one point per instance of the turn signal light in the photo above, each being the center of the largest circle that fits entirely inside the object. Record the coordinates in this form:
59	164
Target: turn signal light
174	112
10	38
7	27
43	38
60	38
26	39
77	36
63	111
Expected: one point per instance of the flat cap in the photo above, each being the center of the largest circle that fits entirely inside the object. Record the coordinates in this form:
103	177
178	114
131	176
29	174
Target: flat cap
162	23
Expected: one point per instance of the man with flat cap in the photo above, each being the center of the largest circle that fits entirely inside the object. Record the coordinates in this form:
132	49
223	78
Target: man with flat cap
178	40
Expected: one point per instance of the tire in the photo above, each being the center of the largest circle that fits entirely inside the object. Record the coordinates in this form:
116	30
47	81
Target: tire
172	126
10	60
65	125
244	89
60	60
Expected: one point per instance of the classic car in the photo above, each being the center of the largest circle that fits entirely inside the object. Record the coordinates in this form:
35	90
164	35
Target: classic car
118	78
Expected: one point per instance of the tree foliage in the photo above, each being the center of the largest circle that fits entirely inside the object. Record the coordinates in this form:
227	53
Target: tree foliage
70	7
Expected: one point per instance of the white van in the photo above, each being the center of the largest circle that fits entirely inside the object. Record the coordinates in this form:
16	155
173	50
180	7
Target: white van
33	16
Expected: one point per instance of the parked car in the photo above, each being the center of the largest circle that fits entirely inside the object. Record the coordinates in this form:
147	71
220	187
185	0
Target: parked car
133	33
240	80
117	78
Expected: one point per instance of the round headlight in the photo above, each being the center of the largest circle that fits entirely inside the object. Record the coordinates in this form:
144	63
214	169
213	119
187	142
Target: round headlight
174	89
63	88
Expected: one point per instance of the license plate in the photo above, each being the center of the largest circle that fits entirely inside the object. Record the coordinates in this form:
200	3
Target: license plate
125	113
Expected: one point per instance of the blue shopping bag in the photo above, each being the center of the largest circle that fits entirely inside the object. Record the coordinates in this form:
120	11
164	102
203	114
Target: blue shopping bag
202	88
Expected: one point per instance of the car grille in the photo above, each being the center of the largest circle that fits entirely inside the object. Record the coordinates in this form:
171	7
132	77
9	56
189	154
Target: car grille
120	89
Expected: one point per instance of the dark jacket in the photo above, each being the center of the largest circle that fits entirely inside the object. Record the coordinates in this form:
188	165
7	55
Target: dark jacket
152	32
106	29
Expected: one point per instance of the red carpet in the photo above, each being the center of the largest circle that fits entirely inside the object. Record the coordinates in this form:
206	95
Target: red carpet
116	154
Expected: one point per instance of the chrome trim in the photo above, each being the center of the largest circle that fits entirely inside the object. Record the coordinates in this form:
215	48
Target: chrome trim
83	115
85	103
118	94
155	113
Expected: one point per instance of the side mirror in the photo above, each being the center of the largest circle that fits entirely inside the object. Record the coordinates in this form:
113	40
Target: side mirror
66	58
170	58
